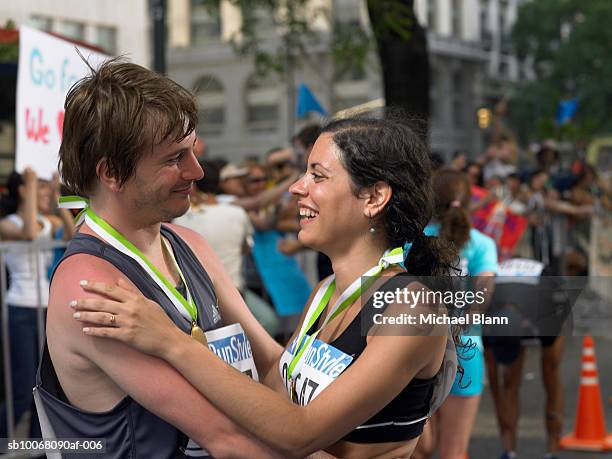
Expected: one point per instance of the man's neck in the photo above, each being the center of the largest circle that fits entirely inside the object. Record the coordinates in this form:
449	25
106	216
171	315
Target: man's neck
144	235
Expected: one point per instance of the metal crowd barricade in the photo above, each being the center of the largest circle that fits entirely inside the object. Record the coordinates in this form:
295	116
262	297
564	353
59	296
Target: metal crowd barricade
28	248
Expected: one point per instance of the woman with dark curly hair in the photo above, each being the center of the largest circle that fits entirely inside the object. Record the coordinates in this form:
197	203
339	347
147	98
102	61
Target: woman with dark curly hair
341	384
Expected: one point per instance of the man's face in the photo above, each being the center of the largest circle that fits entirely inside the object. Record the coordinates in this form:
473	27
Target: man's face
460	161
281	164
256	181
163	179
547	157
281	171
45	194
473	173
233	186
493	183
513	184
538	182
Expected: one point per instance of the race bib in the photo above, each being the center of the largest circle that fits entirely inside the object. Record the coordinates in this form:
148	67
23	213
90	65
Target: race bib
230	344
519	270
323	363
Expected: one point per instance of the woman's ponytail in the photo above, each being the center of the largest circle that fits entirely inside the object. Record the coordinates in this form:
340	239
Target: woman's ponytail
453	195
455	225
431	256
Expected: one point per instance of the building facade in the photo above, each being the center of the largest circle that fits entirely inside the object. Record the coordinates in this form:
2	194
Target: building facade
244	115
241	115
470	62
119	27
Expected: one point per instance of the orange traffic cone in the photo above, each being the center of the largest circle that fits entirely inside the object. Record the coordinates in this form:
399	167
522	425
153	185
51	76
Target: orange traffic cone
590	429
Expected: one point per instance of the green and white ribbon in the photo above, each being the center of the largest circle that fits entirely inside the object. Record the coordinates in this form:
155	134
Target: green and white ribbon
348	297
75	202
186	307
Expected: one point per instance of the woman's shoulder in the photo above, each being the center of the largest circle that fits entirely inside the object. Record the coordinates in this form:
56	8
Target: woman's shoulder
13	218
10	227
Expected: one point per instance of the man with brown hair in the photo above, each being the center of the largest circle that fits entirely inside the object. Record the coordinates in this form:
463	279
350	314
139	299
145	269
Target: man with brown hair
128	146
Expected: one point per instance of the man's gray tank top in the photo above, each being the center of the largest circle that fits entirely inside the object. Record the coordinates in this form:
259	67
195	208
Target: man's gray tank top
131	431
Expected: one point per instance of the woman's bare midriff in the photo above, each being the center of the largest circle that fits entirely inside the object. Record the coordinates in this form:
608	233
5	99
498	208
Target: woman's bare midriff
395	450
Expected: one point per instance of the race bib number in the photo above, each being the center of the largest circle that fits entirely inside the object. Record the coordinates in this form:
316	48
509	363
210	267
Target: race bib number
231	345
323	363
519	270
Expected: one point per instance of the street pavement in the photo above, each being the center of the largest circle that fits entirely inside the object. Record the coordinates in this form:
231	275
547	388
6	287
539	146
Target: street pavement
485	443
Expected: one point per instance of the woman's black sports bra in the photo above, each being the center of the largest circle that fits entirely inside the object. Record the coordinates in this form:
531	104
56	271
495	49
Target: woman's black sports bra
403	417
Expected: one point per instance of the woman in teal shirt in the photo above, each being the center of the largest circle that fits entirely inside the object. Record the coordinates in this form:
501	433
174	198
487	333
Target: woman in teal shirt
478	254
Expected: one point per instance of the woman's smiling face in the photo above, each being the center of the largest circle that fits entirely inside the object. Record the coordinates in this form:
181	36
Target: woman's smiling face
330	213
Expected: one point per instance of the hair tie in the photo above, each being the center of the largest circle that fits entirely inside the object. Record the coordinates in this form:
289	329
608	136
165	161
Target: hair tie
455	203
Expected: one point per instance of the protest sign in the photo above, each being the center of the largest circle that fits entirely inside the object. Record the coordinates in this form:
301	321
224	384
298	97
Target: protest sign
48	67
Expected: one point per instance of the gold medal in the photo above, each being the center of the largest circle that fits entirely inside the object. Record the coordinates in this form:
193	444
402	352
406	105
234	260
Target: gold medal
198	334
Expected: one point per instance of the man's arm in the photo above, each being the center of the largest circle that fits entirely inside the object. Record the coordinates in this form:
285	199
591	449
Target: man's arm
266	197
262	222
150	381
288	219
563	207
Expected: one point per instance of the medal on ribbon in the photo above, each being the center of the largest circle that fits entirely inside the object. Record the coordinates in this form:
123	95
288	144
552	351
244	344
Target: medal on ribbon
198	334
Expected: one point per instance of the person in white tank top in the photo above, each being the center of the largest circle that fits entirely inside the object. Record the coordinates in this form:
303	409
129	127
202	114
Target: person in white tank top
28	205
28	283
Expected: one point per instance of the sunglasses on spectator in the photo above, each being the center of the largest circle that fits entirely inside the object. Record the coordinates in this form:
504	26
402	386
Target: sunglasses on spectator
280	166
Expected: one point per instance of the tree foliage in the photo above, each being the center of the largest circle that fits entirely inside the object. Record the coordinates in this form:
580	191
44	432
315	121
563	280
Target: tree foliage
293	21
568	46
396	34
394	19
9	52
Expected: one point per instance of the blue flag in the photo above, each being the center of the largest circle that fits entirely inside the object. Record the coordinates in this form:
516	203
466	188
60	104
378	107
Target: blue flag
566	111
307	102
